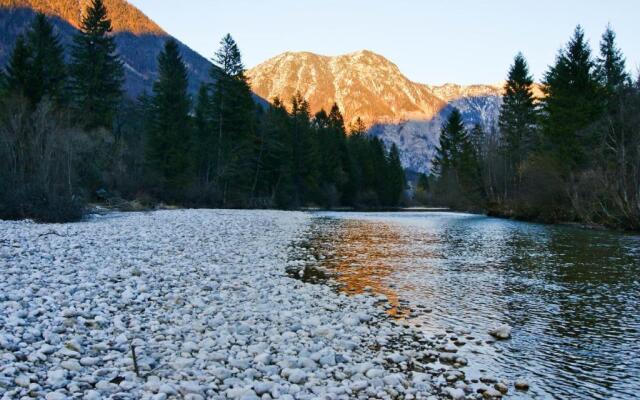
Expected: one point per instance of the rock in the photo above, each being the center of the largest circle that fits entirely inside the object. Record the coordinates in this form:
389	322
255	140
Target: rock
262	387
450	348
57	378
358	386
501	387
297	376
23	381
182	363
55	396
521	384
190	387
71	365
375	373
491	393
501	332
167	389
264	359
454	393
89	361
92	395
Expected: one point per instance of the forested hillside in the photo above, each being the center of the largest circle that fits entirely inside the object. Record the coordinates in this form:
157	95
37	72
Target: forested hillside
139	39
71	135
572	154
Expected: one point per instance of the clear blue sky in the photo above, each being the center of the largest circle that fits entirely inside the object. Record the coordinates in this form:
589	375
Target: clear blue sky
462	41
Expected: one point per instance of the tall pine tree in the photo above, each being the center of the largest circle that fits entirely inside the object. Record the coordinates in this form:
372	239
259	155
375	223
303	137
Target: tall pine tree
573	101
16	77
304	165
204	139
395	179
451	139
611	64
36	66
456	165
96	70
518	114
233	117
169	130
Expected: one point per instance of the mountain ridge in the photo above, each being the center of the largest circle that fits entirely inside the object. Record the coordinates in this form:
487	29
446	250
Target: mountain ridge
367	85
139	38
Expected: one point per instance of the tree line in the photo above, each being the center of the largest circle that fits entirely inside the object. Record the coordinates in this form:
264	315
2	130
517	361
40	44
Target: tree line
571	154
69	135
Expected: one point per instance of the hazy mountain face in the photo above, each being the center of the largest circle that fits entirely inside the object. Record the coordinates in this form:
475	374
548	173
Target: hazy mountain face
139	39
369	86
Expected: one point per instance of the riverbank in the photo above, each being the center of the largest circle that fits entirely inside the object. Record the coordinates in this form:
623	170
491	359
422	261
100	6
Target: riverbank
203	300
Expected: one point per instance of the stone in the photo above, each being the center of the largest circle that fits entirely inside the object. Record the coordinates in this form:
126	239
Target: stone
454	393
23	381
522	385
71	365
501	332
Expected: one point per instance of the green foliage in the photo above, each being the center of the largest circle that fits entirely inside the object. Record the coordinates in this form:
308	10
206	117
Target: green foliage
573	101
16	77
233	120
611	66
169	125
395	180
36	67
518	115
97	74
456	165
225	151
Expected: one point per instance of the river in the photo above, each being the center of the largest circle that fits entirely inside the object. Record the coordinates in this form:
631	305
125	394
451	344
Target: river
571	295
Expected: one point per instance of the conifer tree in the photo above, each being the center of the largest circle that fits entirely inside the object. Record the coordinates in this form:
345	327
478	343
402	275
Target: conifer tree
36	67
96	70
303	152
47	67
331	144
278	159
395	179
169	132
16	77
452	137
611	64
204	139
233	116
573	101
518	114
336	124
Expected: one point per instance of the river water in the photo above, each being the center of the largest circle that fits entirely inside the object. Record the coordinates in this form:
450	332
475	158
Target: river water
571	295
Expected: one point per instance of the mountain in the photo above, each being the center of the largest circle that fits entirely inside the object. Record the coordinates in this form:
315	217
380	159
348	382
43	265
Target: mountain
367	85
139	39
363	84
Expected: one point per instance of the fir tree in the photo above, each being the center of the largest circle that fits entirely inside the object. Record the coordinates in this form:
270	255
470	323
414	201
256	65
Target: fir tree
331	144
36	67
96	70
518	114
452	136
47	67
611	64
456	162
395	179
168	135
204	139
304	165
16	79
573	101
233	116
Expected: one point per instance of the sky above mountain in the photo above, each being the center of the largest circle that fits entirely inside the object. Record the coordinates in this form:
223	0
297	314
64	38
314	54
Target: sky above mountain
462	41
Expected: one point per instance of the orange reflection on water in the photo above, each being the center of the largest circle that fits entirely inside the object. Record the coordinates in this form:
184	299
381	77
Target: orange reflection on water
361	259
